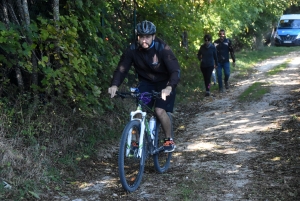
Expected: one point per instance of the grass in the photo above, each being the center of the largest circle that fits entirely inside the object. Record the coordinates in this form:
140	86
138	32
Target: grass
246	60
255	92
185	191
193	185
44	151
258	89
278	68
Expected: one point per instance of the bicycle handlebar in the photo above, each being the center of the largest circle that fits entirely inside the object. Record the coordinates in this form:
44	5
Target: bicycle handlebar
139	95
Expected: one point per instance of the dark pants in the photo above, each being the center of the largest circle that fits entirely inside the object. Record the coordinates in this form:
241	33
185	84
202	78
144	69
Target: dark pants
147	86
207	71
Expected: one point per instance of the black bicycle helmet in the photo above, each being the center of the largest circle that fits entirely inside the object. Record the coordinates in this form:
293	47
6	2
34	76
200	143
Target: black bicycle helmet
145	27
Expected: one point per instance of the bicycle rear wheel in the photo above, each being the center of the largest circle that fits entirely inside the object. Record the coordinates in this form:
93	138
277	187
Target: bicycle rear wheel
162	159
131	162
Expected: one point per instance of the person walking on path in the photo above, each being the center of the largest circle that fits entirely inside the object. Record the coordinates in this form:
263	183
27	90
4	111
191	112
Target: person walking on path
224	47
207	56
157	68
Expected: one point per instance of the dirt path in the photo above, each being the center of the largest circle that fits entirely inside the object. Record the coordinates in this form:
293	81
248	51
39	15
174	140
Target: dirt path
228	132
220	154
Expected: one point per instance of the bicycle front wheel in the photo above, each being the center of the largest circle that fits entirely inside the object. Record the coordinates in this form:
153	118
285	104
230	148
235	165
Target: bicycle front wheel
162	159
131	159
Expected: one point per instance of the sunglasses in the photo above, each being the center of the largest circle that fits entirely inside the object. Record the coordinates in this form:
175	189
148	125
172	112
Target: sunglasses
221	34
206	40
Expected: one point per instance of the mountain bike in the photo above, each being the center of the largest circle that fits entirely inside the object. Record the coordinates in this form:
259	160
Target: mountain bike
139	141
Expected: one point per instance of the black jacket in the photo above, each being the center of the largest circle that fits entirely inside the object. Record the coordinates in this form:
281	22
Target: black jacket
223	49
155	64
207	55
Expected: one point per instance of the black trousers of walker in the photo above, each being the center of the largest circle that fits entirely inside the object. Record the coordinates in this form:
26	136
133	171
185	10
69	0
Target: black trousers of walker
207	72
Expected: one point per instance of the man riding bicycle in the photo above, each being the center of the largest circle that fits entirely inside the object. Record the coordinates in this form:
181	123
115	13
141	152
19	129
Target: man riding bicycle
157	68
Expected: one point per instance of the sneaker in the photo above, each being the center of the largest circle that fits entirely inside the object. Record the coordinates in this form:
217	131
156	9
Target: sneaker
226	85
134	147
221	90
169	145
207	93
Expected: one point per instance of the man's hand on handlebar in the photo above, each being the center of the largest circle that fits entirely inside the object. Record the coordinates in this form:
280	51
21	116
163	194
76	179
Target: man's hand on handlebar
166	92
112	90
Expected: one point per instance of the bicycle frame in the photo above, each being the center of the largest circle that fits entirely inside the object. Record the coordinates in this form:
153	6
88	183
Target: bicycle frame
143	126
144	129
131	159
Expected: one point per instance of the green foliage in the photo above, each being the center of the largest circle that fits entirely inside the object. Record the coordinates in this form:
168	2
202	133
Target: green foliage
74	74
78	53
17	53
72	54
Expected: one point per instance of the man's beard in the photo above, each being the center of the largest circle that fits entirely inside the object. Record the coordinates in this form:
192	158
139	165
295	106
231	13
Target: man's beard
145	45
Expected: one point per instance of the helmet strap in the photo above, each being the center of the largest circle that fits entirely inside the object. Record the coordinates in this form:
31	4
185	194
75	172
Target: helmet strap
152	44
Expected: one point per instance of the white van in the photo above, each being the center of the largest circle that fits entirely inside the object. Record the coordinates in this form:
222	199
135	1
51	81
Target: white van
288	30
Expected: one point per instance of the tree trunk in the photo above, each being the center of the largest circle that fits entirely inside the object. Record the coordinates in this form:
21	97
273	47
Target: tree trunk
12	12
21	11
26	13
8	8
33	56
56	62
56	10
5	12
34	60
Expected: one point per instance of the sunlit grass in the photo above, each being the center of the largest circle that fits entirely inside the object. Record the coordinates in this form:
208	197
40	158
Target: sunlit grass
246	60
278	68
255	92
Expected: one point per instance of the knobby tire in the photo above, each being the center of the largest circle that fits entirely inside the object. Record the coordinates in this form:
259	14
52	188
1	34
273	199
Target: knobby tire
131	168
162	159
